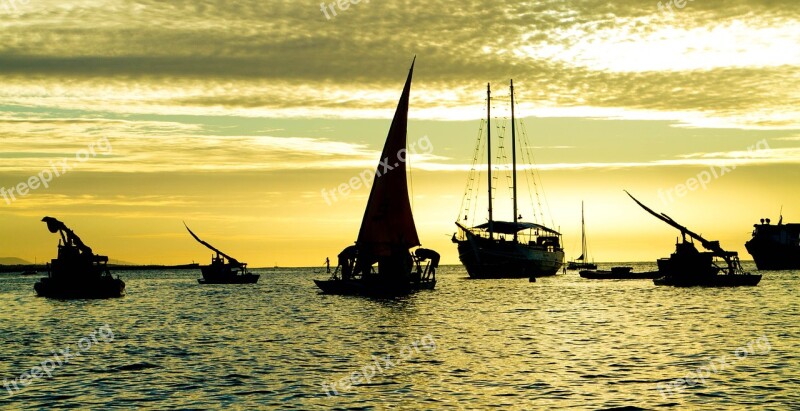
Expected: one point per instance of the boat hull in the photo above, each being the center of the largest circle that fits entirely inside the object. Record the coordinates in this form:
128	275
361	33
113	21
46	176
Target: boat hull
611	275
372	287
721	280
104	287
484	258
581	266
773	256
234	279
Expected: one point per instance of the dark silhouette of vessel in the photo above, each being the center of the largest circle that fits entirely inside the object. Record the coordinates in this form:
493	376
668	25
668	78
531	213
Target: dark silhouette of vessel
619	273
582	261
221	271
775	247
688	267
506	249
387	232
77	273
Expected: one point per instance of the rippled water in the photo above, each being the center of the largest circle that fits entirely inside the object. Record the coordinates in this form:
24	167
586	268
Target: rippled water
562	342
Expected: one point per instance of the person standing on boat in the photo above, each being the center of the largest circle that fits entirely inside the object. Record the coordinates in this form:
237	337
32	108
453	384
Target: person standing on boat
346	259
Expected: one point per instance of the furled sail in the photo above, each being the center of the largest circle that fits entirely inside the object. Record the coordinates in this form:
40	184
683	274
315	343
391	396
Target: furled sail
230	259
388	223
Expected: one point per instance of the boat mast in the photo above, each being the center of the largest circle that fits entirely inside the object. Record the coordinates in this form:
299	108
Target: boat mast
489	152
514	159
583	236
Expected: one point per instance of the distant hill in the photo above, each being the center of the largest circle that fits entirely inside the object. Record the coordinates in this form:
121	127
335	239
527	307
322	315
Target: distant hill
113	261
13	261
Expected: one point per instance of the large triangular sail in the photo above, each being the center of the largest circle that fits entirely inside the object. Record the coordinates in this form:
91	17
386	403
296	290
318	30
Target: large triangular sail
388	223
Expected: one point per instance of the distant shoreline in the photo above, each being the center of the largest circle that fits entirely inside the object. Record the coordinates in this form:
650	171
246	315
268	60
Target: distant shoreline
19	268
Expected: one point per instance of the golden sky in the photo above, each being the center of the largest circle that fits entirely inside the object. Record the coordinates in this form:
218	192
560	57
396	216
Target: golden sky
235	116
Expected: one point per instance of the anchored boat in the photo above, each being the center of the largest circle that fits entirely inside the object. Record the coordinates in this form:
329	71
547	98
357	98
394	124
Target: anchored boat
775	247
618	273
582	261
221	271
505	249
77	273
387	232
688	267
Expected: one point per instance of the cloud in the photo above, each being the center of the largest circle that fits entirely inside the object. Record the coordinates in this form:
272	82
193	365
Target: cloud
731	64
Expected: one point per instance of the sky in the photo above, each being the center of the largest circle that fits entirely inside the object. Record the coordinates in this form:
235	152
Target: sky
236	117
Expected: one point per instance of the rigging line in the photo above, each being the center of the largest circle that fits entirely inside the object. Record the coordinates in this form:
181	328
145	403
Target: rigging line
544	193
410	180
466	198
532	171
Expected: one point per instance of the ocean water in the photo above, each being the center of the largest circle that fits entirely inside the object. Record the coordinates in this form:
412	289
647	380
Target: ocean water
560	343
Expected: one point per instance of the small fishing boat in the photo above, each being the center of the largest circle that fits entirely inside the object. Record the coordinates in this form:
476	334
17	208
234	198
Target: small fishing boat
388	231
688	267
221	271
582	261
618	273
77	273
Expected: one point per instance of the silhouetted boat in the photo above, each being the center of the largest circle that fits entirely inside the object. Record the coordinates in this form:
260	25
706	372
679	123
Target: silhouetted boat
580	262
77	273
532	250
688	267
387	230
775	247
619	273
221	272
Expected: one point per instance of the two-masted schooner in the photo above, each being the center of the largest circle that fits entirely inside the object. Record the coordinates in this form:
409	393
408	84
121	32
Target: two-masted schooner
387	232
507	249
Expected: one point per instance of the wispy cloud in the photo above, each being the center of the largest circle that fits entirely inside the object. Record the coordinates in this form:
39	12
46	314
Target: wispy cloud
731	64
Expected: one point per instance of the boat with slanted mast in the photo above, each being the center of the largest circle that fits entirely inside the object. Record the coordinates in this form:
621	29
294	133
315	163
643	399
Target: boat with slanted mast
387	232
223	272
688	267
76	273
505	249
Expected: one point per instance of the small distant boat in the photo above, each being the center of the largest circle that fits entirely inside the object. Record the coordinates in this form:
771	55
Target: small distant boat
775	247
619	273
222	272
580	262
506	249
387	232
688	267
77	273
29	271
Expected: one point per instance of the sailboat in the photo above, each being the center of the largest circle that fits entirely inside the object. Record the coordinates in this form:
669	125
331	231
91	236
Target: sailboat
580	262
387	232
222	272
507	249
